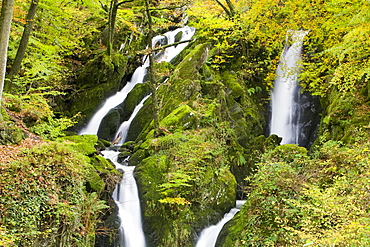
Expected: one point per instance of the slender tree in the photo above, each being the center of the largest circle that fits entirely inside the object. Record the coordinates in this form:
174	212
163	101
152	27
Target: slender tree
230	10
112	16
5	23
23	43
151	72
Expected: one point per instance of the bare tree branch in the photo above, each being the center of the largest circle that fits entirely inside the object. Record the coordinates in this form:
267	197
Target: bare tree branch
128	1
169	7
150	50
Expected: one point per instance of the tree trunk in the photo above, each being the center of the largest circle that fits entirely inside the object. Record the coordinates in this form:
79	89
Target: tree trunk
113	8
229	11
23	43
231	8
111	24
151	72
5	24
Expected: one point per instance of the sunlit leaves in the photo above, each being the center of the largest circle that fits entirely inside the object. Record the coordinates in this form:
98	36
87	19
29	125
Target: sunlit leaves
297	200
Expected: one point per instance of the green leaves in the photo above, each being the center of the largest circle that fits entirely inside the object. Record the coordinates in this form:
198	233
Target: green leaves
297	200
44	200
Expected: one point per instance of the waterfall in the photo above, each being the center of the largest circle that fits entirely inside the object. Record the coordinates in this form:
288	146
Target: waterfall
286	110
208	236
127	199
180	34
123	129
94	123
126	193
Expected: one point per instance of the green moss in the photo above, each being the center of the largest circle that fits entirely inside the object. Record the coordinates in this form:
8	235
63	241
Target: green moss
190	183
163	70
142	122
3	115
271	142
286	153
212	89
231	82
98	84
123	156
137	157
10	133
133	99
84	144
181	118
102	144
102	165
189	66
173	93
94	181
345	118
101	173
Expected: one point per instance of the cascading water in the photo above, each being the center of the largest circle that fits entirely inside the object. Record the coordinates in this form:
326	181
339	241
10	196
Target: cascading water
208	237
123	129
127	199
138	77
126	194
94	123
285	97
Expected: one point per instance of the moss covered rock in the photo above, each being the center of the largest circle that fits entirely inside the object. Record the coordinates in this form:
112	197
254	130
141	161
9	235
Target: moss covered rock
109	125
84	144
98	84
133	99
10	133
180	119
190	184
140	124
102	175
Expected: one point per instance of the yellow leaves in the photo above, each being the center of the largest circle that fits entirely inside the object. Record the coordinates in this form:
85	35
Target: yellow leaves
348	76
199	7
20	12
5	238
176	201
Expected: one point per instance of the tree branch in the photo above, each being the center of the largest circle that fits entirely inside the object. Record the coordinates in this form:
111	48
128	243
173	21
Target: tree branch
150	50
224	7
231	7
128	1
169	8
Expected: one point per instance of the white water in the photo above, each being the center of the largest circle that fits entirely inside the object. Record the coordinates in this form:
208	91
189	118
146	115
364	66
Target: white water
126	193
208	236
283	107
139	74
123	129
94	124
127	199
